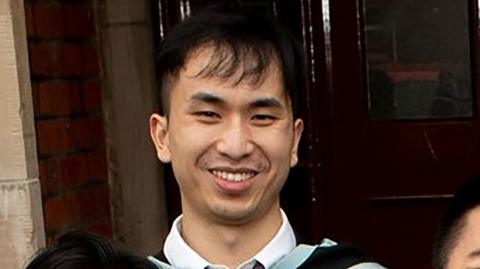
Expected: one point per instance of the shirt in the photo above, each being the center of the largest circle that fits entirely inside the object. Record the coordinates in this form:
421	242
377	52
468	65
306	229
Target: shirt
181	255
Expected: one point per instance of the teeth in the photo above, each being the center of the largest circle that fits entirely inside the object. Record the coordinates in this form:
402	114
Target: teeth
233	177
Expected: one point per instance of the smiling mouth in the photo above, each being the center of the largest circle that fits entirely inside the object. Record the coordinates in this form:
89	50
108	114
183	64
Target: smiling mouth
233	176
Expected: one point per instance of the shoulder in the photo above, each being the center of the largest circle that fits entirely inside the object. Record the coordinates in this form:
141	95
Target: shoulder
334	255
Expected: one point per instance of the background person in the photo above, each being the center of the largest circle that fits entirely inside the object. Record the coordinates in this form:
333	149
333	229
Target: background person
457	243
79	250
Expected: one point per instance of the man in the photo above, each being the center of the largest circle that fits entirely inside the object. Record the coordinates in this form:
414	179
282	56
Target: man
228	79
457	244
78	250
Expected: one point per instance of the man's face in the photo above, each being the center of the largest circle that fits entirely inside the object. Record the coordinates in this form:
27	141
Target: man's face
466	253
231	145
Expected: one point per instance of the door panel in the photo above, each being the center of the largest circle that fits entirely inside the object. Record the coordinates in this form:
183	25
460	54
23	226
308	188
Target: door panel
394	225
401	173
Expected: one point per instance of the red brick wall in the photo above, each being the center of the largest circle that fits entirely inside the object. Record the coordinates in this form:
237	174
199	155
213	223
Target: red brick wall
65	73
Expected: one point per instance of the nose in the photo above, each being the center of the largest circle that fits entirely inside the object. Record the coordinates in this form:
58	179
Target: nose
236	140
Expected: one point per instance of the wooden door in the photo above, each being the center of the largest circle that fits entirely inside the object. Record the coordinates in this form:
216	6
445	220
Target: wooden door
388	178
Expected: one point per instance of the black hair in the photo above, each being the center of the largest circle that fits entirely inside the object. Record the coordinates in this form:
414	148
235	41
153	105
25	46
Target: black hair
242	41
80	250
454	221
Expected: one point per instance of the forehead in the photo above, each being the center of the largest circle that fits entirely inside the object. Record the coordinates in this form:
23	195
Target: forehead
243	63
202	65
467	249
472	228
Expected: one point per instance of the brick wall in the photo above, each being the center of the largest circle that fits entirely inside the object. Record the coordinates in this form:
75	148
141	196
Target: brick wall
65	73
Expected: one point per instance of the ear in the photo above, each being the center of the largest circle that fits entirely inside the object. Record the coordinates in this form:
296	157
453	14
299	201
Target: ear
297	134
159	134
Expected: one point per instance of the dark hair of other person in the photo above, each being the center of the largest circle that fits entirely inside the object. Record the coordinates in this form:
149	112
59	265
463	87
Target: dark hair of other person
242	41
79	250
454	221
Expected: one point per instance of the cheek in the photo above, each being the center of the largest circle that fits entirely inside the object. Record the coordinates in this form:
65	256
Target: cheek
276	143
190	142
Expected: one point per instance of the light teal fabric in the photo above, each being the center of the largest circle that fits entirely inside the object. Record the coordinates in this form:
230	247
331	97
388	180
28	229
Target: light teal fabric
299	255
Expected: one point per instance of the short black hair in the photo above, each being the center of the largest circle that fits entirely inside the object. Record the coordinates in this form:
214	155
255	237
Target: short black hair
80	250
454	221
242	40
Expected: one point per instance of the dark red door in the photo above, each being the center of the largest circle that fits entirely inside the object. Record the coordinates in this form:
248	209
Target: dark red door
389	172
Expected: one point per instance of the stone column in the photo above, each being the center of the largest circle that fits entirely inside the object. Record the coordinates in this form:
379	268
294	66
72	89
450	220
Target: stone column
21	218
136	178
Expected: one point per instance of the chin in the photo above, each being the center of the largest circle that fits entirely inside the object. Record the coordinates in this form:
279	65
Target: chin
229	215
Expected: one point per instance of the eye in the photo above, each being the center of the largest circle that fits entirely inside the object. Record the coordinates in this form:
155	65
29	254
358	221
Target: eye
207	116
263	119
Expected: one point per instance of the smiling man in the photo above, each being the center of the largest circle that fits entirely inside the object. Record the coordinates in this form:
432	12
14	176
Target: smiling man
230	131
457	244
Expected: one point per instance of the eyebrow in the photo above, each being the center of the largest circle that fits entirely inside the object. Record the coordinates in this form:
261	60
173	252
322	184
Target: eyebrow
207	98
266	102
474	254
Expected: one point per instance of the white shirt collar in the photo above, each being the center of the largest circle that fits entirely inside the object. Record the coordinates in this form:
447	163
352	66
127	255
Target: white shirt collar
180	255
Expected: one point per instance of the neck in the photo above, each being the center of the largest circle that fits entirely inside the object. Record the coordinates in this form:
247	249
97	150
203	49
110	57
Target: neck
233	243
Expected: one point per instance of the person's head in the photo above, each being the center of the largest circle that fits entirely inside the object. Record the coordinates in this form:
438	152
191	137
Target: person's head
244	45
228	78
457	243
78	250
